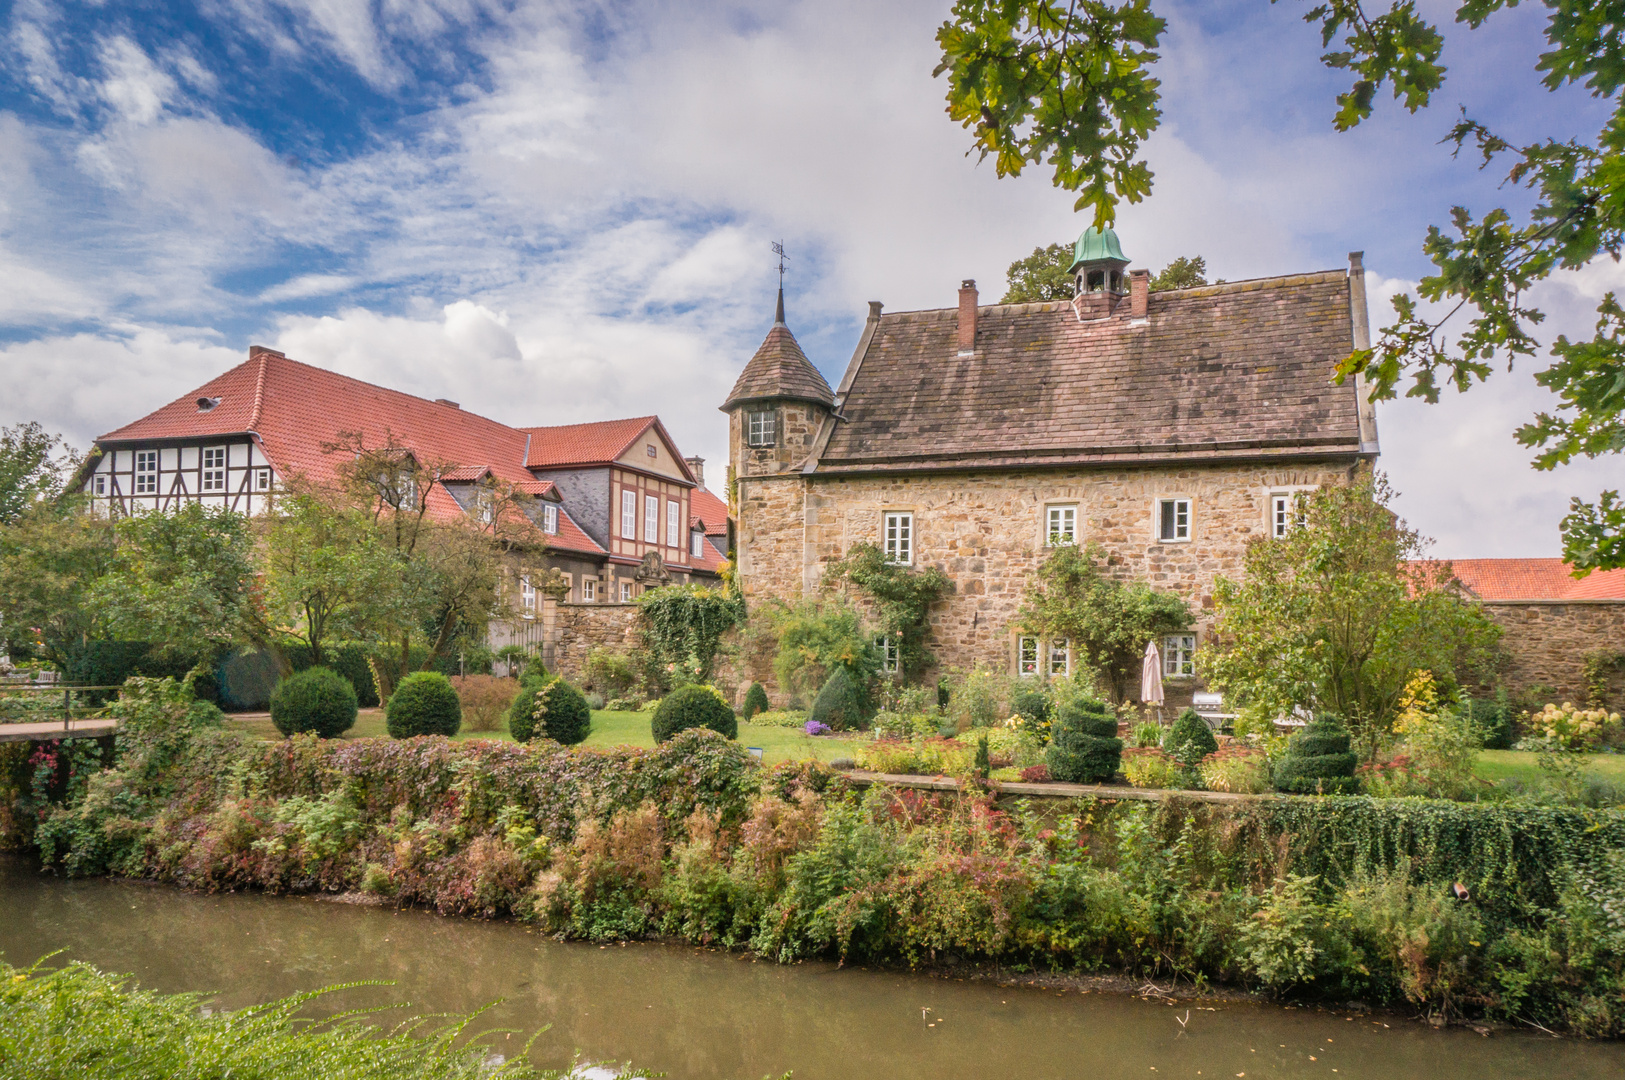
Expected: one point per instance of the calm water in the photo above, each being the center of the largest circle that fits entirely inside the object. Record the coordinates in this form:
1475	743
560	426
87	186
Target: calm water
699	1015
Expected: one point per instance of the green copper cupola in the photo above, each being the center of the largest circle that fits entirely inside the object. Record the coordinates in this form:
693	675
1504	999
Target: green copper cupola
1098	263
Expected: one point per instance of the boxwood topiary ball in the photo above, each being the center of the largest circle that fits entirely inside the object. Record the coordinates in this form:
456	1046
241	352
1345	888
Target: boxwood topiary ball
694	706
563	714
424	703
1189	740
317	699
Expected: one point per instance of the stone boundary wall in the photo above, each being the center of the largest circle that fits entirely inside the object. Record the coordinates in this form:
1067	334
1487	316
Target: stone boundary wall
1546	643
573	629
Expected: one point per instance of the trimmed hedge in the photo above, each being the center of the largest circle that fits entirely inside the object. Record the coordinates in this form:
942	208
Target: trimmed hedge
424	703
564	714
1084	747
755	701
1318	760
839	706
318	700
693	706
1189	740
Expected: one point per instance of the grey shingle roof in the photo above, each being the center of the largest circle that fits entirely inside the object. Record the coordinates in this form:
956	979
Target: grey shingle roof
780	370
1235	370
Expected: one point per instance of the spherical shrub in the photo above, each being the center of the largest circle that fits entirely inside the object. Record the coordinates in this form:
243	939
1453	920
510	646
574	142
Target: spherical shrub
694	706
317	699
1318	760
1084	747
424	704
555	710
838	705
755	701
1032	702
1189	740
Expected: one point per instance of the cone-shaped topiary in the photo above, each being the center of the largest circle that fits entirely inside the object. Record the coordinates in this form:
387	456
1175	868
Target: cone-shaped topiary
554	710
1084	747
1318	760
1189	740
838	704
755	701
423	704
317	699
694	706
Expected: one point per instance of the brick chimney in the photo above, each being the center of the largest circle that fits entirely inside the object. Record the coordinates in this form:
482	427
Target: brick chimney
1139	293
255	350
967	317
696	465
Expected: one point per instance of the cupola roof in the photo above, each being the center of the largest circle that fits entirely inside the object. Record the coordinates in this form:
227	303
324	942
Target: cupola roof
1096	246
780	370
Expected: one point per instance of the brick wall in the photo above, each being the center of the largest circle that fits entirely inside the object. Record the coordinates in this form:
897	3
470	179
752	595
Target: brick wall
1546	644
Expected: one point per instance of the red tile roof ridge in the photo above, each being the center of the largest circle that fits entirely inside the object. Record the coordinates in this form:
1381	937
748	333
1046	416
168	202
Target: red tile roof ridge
1532	579
259	394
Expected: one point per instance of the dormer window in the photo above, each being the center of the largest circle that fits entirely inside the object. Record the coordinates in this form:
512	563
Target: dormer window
550	519
761	428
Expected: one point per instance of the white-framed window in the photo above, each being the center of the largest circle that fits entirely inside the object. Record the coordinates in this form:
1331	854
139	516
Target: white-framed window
214	468
674	524
1173	520
891	656
696	544
626	592
761	428
1060	657
484	505
1026	656
550	519
146	472
649	448
101	484
589	590
651	518
527	593
262	479
629	514
1286	512
1178	655
1060	525
897	531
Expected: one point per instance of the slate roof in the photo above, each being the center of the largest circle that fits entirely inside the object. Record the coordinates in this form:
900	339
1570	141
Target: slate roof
1535	579
1235	370
780	370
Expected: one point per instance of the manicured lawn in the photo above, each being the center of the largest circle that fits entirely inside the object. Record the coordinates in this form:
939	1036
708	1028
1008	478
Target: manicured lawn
1520	765
608	729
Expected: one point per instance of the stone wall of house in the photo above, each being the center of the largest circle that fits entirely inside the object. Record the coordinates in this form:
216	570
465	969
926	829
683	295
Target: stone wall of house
986	531
1545	646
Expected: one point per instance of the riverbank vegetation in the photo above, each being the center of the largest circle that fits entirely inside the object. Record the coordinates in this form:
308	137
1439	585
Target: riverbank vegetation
1455	909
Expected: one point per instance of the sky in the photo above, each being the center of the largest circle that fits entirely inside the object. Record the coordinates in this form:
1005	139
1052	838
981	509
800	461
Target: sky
554	213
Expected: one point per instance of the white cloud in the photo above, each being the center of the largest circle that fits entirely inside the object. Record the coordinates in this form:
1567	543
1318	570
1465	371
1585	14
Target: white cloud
135	88
306	286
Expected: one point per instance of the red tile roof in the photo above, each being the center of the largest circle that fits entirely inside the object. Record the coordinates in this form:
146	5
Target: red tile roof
570	537
711	510
599	443
1535	579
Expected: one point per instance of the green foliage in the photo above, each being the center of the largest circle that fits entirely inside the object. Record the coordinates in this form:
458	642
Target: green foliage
983	763
839	704
1084	747
1061	83
1336	617
694	706
554	710
1108	621
50	560
684	624
901	599
1494	720
755	701
34	464
318	700
1040	276
423	704
1290	943
1183	273
609	672
1318	760
1031	700
811	640
1189	739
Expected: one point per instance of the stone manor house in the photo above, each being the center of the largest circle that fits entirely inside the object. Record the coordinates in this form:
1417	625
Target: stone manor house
1170	427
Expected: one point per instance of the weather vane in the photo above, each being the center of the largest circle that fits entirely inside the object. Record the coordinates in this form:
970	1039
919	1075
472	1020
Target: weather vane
778	249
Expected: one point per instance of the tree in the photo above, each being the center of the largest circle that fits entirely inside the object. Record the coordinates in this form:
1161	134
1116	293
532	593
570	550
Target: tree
1108	621
1040	276
33	466
327	574
49	561
1182	273
1069	85
900	597
1340	614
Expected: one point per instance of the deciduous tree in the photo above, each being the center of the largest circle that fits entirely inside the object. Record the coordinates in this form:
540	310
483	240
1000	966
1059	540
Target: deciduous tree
34	464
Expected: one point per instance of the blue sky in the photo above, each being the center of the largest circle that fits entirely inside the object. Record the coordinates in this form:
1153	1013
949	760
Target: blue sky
555	213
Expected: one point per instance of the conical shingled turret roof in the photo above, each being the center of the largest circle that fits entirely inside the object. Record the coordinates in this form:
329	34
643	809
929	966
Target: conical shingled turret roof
780	370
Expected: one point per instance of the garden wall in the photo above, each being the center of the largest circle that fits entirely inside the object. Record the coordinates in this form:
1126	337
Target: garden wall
573	629
1546	643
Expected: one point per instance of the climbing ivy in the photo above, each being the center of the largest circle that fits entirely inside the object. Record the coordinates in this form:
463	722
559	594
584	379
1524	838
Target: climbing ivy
902	599
683	625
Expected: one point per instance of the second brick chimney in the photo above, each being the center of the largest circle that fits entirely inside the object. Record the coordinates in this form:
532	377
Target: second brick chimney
696	465
1139	293
967	317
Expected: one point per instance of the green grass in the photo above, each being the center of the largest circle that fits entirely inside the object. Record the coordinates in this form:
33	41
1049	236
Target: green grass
1498	765
610	729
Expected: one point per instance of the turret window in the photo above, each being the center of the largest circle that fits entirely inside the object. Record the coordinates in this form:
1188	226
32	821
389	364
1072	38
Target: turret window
761	428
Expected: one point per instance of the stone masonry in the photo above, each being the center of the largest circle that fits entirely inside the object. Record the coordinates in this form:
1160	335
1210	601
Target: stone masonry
1546	642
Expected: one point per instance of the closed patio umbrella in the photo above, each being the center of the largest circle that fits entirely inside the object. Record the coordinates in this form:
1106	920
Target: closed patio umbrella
1151	677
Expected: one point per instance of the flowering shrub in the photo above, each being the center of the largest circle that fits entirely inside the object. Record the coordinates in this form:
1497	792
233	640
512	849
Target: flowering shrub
1240	770
813	727
1149	767
1567	727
